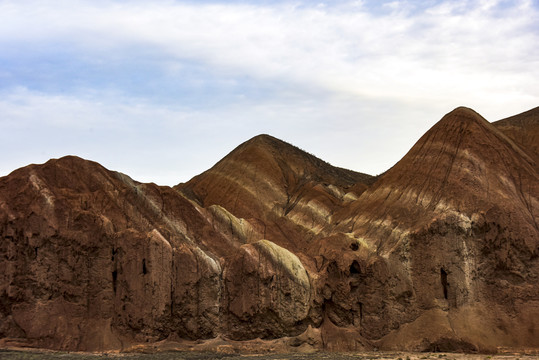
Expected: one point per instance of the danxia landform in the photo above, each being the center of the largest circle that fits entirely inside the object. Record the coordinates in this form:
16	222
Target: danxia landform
275	249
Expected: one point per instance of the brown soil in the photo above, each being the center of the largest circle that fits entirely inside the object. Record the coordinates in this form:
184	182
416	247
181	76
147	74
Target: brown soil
189	355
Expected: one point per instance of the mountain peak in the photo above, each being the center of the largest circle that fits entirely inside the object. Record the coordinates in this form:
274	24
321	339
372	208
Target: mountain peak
462	164
463	111
279	147
262	138
462	114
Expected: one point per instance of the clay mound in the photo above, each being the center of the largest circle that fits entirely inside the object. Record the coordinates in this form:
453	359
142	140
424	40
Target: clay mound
270	182
91	259
462	166
452	230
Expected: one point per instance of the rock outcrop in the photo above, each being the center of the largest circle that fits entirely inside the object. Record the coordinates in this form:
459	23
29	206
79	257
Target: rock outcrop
273	245
455	223
278	289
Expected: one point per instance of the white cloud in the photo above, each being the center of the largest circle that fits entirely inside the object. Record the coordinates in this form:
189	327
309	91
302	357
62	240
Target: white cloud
457	47
393	73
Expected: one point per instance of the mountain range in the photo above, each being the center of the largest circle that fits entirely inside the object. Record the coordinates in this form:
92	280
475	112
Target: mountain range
273	248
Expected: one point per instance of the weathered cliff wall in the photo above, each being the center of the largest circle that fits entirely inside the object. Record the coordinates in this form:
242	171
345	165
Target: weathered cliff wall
439	253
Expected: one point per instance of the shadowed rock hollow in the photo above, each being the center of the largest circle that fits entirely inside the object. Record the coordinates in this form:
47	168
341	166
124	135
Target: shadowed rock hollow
438	253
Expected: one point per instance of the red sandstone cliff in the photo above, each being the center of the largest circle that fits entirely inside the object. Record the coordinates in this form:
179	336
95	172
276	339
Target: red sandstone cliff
440	252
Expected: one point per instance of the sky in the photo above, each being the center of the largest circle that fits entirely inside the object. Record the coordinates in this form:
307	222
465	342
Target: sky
161	90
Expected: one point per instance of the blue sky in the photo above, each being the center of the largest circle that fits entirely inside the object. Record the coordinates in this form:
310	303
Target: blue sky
161	90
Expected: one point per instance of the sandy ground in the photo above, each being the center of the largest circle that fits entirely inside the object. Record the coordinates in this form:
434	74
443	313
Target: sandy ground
49	355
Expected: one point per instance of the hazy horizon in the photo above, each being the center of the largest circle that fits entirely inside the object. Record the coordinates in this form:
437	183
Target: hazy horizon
161	91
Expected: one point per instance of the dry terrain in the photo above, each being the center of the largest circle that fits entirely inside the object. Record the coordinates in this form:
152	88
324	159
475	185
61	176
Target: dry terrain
35	355
275	248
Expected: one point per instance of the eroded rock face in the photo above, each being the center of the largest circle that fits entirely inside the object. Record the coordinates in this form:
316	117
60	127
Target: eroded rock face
437	220
268	292
439	253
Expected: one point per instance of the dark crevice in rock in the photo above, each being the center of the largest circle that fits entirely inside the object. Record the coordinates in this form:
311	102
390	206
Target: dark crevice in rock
355	269
443	278
114	280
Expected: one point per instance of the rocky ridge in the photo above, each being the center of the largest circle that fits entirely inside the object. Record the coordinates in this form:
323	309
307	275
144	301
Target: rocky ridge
438	253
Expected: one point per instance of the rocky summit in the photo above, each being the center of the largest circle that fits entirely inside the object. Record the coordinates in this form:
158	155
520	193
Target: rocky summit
274	248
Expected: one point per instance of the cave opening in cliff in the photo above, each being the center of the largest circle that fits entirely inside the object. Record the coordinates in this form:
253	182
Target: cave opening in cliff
144	269
355	269
443	278
354	246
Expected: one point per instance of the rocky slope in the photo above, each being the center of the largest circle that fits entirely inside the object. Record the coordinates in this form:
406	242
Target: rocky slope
284	194
523	129
454	227
439	253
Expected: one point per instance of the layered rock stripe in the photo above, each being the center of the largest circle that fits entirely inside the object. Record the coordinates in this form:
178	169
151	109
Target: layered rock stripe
439	253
